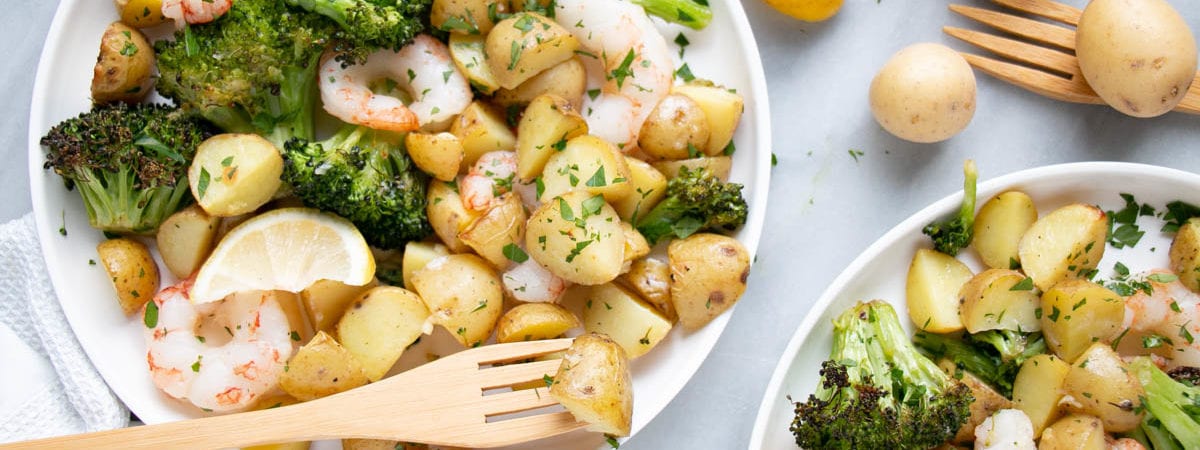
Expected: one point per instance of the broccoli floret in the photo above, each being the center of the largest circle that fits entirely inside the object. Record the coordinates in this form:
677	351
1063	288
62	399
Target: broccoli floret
365	176
253	70
994	356
878	391
693	14
695	200
129	162
952	235
365	25
1172	416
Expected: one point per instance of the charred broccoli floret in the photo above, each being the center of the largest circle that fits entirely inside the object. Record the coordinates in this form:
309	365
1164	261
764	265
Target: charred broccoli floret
994	356
365	176
129	163
952	235
878	391
695	200
365	25
253	70
1172	419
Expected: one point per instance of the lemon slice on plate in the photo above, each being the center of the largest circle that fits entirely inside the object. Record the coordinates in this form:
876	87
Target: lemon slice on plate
285	249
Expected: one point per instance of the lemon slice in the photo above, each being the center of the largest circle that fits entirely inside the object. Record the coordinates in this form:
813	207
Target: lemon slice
286	249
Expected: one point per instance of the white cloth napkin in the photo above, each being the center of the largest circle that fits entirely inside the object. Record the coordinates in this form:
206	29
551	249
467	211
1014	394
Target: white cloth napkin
48	386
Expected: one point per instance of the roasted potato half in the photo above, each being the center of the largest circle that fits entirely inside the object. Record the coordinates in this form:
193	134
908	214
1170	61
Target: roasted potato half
1038	389
481	129
651	278
723	109
577	237
493	234
1074	432
320	368
132	271
998	228
1101	385
447	214
416	256
999	299
439	155
524	45
548	123
125	68
566	79
463	295
594	384
140	13
234	173
718	166
466	17
534	322
934	281
326	300
1077	313
1067	243
185	239
586	163
708	276
1185	254
380	325
467	52
647	185
676	129
614	311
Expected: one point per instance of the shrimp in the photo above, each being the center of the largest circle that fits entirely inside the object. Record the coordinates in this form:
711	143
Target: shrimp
530	282
1171	312
633	57
423	68
1123	444
194	12
220	356
490	177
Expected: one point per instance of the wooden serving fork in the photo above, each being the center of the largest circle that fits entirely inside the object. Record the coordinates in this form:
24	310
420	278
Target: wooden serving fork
444	402
1055	71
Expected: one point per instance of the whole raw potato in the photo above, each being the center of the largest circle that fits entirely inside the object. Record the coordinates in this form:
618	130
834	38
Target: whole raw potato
1139	55
925	93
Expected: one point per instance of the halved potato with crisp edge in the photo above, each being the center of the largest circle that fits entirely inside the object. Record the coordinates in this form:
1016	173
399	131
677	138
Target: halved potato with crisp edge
1067	243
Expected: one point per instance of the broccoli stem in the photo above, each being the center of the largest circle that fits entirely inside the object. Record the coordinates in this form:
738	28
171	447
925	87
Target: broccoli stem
688	13
966	213
115	204
952	235
1169	403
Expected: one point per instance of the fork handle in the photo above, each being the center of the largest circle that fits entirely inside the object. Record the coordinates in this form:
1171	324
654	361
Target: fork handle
283	424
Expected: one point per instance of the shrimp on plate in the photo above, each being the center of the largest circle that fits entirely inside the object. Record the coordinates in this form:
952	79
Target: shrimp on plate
423	68
632	58
490	177
1169	311
221	356
192	12
530	282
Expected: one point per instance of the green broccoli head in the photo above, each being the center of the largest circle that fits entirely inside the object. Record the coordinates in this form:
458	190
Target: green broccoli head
253	70
365	176
695	200
366	25
994	356
953	235
878	391
128	162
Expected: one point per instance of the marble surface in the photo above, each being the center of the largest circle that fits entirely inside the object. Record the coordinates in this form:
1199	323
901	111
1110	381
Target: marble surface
841	181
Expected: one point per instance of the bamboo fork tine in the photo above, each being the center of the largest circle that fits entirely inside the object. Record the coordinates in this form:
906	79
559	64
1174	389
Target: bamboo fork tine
1028	53
1046	8
1027	28
502	376
1040	82
518	350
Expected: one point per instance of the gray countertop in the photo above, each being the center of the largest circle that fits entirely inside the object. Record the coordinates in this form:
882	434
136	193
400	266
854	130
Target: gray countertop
840	184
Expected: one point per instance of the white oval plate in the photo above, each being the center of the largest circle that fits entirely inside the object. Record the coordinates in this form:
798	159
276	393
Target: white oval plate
880	272
724	52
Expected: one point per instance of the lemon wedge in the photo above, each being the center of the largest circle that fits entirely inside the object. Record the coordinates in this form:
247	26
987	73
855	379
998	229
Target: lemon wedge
807	10
286	249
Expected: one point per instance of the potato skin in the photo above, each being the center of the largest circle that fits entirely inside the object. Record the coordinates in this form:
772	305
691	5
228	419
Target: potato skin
717	166
594	384
1185	254
548	120
439	155
675	129
708	275
651	278
132	271
567	80
320	368
534	322
925	93
125	66
500	226
140	13
463	295
447	215
1074	432
1138	55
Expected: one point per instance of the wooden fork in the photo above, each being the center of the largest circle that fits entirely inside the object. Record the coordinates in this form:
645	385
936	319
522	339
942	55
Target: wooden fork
441	403
1055	72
